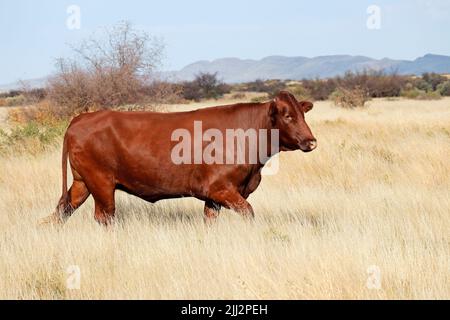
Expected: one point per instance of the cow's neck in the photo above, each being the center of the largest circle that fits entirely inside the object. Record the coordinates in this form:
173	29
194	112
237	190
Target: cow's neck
250	115
256	116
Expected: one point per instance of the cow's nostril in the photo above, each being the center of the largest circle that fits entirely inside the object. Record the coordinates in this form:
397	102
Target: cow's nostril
308	145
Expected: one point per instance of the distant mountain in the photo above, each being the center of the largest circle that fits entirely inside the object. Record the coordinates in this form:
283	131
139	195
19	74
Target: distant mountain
234	70
296	68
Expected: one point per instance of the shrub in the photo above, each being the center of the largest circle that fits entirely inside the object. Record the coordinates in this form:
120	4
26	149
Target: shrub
430	95
205	86
421	94
11	93
71	90
35	94
349	98
159	92
257	86
300	92
106	73
271	87
375	83
422	85
15	101
444	88
259	99
32	95
21	97
42	112
275	88
32	137
433	80
238	95
319	89
412	93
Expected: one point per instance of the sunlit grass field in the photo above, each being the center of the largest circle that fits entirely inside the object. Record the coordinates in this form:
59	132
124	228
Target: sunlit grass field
366	215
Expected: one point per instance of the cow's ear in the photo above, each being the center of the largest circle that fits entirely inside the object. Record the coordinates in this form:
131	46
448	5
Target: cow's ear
306	106
273	111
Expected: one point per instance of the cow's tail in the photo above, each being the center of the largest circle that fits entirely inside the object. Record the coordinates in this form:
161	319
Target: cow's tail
57	217
64	168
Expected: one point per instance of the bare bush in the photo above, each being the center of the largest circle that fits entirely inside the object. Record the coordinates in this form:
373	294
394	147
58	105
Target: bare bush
32	95
159	92
350	98
106	72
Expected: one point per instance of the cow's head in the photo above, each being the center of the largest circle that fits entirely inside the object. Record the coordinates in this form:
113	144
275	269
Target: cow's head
288	116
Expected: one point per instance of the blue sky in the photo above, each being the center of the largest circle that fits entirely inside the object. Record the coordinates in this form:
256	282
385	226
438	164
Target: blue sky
34	33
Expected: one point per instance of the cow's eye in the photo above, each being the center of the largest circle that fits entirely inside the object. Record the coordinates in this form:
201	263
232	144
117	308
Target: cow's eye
288	117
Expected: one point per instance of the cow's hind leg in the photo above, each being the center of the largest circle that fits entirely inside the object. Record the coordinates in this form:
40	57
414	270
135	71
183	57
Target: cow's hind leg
103	193
211	211
104	212
68	203
233	200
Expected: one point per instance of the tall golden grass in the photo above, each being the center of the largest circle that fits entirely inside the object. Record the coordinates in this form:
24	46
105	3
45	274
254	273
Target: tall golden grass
373	196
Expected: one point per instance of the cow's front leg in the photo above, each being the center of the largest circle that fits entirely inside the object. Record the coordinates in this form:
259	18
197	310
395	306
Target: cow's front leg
233	200
211	211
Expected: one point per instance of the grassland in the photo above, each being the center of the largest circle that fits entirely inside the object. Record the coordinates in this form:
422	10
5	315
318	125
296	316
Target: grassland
374	193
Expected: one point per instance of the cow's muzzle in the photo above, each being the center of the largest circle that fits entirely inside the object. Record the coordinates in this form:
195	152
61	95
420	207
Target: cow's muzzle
308	145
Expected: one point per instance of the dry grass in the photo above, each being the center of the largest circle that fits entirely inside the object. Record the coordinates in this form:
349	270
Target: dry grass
375	192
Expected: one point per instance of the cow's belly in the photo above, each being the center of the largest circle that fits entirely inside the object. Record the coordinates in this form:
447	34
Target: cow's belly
154	181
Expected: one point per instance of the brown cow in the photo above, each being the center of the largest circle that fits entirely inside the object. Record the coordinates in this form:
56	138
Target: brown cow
131	151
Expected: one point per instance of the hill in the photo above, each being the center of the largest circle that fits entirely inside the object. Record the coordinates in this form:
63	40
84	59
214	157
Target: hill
296	68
